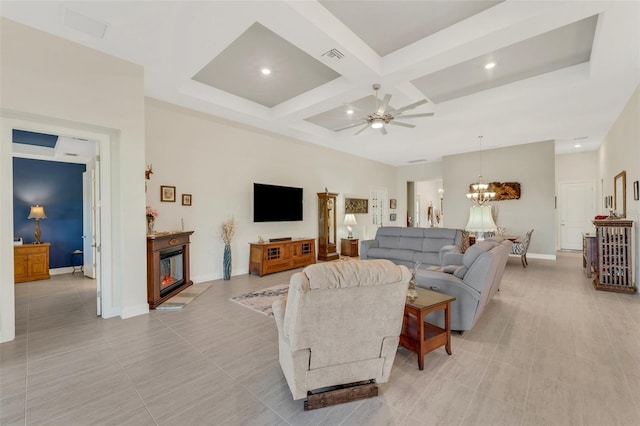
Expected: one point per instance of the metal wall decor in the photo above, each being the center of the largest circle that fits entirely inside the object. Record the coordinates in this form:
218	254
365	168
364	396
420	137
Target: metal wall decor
356	205
503	190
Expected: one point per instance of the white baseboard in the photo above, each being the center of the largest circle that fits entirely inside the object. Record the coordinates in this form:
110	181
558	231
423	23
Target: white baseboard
134	311
204	278
60	271
537	256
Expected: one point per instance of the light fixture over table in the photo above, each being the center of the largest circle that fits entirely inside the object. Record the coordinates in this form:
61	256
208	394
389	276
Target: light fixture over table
480	193
37	213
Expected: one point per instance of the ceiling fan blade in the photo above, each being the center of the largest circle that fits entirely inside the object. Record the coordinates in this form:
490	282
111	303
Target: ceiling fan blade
397	123
384	104
349	125
426	114
411	106
383	131
362	130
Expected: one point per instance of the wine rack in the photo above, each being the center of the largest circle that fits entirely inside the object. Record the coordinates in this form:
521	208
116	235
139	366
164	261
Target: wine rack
615	244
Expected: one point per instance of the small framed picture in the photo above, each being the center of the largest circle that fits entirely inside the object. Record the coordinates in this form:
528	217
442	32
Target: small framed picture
168	193
393	203
186	199
392	217
636	191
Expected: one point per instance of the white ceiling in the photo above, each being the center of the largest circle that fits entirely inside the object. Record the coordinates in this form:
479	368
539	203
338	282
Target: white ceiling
550	82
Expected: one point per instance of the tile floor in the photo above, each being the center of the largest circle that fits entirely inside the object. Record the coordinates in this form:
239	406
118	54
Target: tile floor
549	350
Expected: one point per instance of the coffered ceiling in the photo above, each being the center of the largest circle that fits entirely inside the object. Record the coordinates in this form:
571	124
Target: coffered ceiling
563	69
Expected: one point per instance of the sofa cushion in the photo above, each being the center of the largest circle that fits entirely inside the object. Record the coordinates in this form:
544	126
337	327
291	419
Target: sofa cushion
472	254
388	242
426	258
412	232
411	243
356	273
392	254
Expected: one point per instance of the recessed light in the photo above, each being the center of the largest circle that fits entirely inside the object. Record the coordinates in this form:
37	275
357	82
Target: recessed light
350	112
265	71
577	145
490	65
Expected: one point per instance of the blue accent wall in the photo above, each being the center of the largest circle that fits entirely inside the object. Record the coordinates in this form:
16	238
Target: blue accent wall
58	188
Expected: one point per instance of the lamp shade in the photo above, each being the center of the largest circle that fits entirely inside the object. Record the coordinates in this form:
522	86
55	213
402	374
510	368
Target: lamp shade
480	219
350	219
37	212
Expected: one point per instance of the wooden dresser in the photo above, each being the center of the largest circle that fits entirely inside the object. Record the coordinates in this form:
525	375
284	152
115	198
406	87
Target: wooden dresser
31	262
266	258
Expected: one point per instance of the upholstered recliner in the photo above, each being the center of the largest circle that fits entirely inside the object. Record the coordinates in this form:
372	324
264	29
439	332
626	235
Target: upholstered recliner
473	279
340	323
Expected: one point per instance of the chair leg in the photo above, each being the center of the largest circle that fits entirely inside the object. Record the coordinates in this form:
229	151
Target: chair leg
524	265
526	262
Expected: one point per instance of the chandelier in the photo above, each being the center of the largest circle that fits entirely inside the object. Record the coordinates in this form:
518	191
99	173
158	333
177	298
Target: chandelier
480	193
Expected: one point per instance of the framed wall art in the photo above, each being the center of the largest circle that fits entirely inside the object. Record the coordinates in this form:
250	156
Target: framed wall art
168	193
186	199
393	203
636	194
356	205
392	217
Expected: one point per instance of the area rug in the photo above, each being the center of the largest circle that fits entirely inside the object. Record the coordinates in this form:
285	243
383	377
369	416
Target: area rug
261	300
185	297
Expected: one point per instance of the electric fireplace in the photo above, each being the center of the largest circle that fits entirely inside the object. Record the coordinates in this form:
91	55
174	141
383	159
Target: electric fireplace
167	265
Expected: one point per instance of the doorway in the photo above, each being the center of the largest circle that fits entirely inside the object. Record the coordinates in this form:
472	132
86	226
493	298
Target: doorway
103	223
425	204
575	212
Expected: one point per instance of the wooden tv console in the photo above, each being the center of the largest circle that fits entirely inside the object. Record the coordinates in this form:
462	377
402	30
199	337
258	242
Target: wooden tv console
269	257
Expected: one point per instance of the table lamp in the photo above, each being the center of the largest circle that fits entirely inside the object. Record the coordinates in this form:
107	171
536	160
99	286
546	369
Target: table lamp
37	213
350	219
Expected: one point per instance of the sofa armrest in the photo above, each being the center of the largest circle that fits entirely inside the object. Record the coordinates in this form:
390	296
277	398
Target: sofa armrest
446	283
451	248
279	307
365	246
452	259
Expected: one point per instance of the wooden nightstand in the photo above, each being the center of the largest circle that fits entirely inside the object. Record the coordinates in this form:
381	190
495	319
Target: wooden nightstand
349	247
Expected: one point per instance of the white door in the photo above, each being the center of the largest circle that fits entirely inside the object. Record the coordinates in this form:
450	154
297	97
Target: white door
575	212
91	222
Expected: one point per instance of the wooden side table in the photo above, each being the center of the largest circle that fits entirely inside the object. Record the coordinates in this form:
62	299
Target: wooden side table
419	336
349	247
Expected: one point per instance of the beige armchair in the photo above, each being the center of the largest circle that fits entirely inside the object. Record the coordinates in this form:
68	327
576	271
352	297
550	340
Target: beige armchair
340	324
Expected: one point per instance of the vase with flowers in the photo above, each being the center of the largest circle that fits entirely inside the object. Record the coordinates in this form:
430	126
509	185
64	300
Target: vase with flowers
151	218
227	229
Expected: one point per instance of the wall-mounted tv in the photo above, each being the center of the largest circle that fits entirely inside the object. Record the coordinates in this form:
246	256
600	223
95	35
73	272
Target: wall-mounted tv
273	203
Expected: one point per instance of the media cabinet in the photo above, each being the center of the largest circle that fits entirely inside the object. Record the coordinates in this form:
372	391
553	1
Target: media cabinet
269	257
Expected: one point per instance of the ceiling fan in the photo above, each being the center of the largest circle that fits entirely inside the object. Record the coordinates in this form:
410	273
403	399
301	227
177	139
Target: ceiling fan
385	115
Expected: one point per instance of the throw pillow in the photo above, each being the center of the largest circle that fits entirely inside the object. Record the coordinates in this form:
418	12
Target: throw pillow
464	244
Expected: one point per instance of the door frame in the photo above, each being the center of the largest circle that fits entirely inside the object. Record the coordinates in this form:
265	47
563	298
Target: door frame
12	120
559	205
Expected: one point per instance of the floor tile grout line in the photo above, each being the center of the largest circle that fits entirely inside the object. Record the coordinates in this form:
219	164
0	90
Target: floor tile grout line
217	365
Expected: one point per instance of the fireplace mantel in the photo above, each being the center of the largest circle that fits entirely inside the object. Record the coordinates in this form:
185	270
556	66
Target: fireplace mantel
171	250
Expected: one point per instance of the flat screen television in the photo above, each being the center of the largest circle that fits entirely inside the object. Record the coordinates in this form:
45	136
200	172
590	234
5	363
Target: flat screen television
273	203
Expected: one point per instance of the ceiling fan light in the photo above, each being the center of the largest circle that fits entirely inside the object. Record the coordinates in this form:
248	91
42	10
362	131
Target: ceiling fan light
377	124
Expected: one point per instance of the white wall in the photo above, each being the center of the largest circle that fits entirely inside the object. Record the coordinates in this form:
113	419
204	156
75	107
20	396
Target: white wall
218	161
532	165
620	151
47	79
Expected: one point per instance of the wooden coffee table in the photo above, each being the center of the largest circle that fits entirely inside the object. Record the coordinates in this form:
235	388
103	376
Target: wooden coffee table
420	336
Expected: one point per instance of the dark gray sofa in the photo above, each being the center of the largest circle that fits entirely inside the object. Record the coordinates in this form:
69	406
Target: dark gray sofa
408	246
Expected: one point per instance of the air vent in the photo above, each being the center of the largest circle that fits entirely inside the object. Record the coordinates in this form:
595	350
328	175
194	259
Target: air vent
422	160
334	54
70	154
84	23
